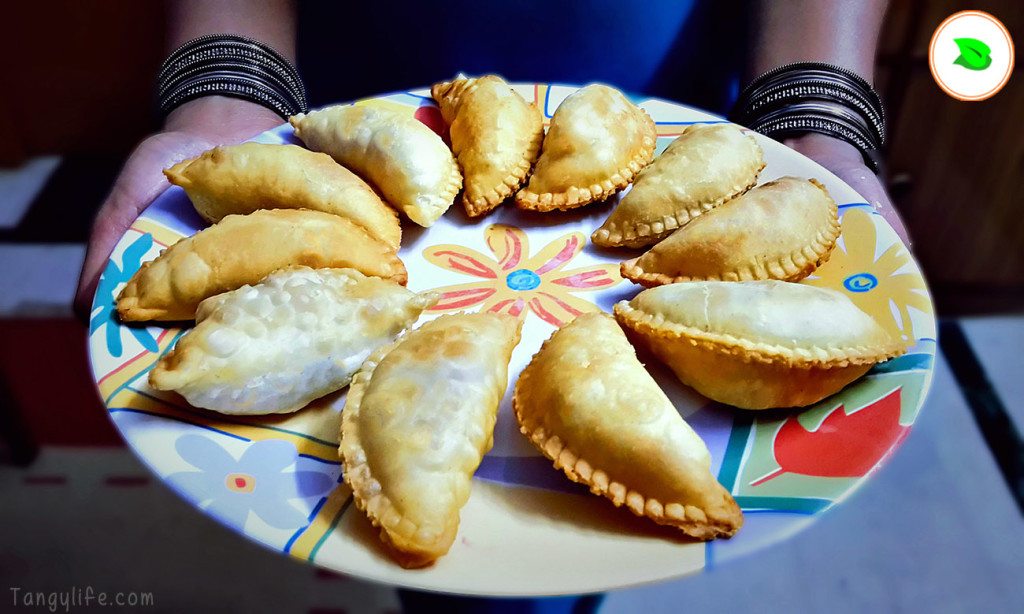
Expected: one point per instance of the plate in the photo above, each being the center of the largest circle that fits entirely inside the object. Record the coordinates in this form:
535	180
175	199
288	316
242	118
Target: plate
526	530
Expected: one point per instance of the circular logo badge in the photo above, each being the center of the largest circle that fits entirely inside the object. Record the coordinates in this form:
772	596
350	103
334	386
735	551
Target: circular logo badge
971	55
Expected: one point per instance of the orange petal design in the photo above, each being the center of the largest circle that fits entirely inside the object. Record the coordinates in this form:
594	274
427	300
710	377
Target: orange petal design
509	244
589	278
557	253
551	300
511	306
558	310
463	296
461	259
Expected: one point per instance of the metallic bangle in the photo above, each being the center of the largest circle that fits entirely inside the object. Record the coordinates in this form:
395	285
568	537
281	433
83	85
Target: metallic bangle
815	97
229	65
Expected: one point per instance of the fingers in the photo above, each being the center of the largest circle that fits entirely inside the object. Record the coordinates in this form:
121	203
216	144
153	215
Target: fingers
196	127
140	181
868	186
201	125
111	223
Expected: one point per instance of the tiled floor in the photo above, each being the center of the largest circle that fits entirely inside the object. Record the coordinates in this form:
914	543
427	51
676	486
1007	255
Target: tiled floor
999	341
935	531
20	186
88	517
39	279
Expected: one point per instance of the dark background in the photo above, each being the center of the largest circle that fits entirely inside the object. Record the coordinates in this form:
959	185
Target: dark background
82	86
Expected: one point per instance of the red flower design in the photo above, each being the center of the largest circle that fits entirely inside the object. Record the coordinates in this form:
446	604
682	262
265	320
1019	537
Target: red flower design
844	446
430	115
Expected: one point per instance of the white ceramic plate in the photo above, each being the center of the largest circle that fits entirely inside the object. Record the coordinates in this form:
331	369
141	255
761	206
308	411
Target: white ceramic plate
526	529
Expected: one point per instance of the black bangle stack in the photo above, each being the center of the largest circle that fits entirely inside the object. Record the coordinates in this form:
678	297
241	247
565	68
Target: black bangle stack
229	65
814	97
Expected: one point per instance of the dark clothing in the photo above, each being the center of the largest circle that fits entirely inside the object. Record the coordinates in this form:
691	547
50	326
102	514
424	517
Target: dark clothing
685	50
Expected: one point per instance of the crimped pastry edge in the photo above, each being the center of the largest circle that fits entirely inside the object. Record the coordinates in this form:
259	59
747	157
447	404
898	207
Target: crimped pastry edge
178	175
490	196
360	484
162	377
648	233
453	90
577	196
448	193
445	198
793	266
690	519
649	325
127	301
357	473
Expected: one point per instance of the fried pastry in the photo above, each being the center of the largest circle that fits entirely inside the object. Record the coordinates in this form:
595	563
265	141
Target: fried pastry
275	346
589	405
242	178
758	344
407	163
706	166
597	142
243	249
496	137
419	417
780	230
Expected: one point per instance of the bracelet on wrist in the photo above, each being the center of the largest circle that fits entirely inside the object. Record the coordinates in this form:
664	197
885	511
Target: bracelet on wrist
795	99
230	65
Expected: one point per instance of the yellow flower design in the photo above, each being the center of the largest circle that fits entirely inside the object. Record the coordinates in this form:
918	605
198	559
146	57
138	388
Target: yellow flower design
515	281
876	285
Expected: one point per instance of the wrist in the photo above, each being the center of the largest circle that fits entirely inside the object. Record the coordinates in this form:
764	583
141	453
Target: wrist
220	116
795	99
233	66
817	146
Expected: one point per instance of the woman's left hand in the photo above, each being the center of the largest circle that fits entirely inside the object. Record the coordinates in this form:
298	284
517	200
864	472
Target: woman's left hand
847	163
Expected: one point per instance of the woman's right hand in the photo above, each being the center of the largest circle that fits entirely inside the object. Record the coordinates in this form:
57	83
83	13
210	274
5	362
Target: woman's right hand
190	129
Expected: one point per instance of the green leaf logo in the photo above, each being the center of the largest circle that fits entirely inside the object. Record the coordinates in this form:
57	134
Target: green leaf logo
974	54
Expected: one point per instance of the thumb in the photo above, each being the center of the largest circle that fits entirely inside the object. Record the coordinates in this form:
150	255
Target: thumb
111	223
141	180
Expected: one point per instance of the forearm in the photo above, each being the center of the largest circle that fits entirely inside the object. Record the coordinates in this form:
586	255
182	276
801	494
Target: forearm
842	32
268	21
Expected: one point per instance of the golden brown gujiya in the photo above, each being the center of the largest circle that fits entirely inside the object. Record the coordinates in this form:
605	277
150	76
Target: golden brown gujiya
495	134
707	165
596	144
780	230
296	336
587	403
243	249
758	344
398	154
419	417
239	179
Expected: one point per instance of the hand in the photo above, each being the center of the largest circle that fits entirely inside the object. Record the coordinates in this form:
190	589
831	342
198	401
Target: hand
190	129
846	162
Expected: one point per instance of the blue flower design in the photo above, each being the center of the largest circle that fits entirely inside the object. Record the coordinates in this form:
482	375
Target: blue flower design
860	282
523	279
105	299
257	482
